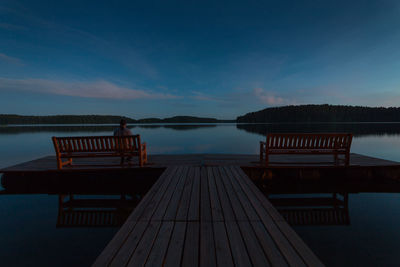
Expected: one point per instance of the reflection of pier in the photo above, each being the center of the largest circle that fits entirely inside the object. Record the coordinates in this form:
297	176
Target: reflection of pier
333	210
106	212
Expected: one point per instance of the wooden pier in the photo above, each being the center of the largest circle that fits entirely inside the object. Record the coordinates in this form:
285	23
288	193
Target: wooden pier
203	209
206	216
49	163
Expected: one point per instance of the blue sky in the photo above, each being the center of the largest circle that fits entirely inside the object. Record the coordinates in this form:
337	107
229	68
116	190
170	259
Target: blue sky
203	58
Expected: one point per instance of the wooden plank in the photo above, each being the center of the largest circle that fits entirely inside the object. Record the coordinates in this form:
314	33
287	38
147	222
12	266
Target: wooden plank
270	249
304	251
124	233
207	244
165	201
151	208
272	222
194	210
205	205
226	207
143	249
114	245
236	205
241	195
157	253
222	247
254	249
183	208
147	204
254	194
216	210
172	208
126	249
191	248
239	252
175	248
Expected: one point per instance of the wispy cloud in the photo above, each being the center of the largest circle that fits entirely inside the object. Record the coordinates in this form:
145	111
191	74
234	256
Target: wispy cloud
9	59
237	97
93	89
338	95
270	98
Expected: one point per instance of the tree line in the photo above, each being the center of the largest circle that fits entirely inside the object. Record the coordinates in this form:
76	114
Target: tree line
98	119
61	119
322	113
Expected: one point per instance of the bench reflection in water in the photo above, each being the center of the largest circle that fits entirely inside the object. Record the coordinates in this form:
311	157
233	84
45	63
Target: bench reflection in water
76	211
313	210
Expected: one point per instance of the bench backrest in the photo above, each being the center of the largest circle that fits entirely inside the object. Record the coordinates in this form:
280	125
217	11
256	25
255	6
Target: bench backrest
309	141
96	143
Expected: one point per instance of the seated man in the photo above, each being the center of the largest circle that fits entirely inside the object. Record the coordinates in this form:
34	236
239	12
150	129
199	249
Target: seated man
123	131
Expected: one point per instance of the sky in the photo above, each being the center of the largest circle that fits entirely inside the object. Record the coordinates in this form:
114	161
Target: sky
202	58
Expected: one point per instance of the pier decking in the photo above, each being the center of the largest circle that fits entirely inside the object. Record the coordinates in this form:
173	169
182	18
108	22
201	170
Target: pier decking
206	216
49	163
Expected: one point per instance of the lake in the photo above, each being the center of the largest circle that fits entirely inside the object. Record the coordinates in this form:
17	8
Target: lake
32	232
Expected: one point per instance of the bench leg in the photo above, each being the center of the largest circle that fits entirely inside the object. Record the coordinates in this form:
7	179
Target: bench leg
141	160
347	159
59	163
261	153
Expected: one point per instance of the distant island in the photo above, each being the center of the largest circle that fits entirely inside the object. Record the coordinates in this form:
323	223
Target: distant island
98	119
322	113
300	113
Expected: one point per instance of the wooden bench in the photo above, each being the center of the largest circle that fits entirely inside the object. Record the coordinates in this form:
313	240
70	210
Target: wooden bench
98	146
307	143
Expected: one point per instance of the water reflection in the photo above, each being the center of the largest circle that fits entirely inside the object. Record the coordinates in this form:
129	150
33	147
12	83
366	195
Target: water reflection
358	129
118	182
101	211
50	217
332	209
177	127
95	128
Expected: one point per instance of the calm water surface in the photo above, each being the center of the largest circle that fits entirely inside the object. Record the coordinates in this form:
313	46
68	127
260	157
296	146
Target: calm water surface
29	236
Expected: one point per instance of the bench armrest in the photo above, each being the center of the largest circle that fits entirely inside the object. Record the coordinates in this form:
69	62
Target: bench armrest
263	145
